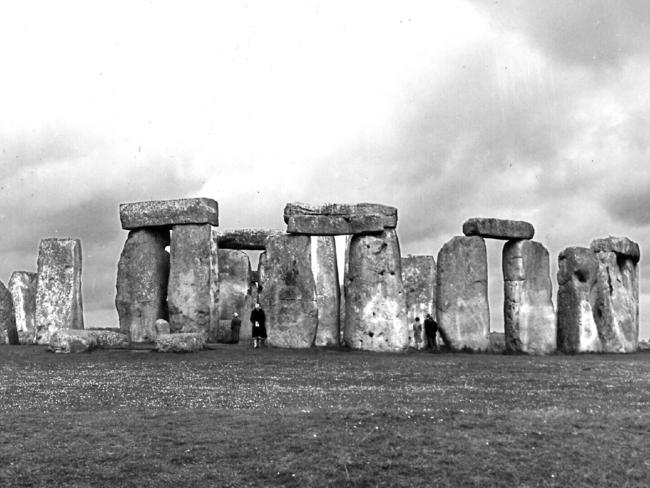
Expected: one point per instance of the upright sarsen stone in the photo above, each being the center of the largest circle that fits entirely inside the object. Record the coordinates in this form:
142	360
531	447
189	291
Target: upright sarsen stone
462	305
419	278
167	213
193	290
142	278
58	291
288	293
8	331
375	303
326	277
22	286
529	318
576	299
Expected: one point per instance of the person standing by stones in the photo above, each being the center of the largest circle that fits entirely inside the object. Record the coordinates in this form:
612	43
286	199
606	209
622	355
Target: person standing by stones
430	329
258	320
417	332
235	325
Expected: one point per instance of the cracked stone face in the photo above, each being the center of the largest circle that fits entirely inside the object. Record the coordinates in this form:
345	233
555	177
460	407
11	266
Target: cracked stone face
326	278
22	286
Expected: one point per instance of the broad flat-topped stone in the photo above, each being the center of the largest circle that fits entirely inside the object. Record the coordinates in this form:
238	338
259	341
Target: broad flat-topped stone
244	239
169	212
498	228
339	218
619	245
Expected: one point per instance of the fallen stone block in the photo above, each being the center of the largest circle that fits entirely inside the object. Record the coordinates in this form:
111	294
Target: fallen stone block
68	341
326	278
22	286
576	299
168	213
498	229
338	218
419	278
244	239
8	331
110	339
529	317
142	280
58	290
182	342
462	308
620	245
375	302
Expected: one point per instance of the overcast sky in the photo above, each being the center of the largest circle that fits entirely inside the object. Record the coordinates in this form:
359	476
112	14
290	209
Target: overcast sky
447	110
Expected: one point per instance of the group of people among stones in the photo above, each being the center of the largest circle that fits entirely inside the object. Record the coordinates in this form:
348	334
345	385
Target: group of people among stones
258	323
430	331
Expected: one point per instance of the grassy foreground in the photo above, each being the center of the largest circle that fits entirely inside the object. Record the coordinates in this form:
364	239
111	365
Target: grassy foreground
235	416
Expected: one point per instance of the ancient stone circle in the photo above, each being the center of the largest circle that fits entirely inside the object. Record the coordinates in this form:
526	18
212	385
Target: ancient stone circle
180	279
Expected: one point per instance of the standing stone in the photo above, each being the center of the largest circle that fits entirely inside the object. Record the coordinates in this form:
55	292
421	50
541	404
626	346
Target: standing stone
288	294
193	290
8	331
237	293
22	286
617	307
462	307
58	291
375	302
167	213
339	218
529	318
419	277
326	276
142	274
576	299
498	228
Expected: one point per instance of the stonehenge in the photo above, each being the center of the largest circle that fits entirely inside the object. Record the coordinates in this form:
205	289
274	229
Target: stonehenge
166	213
338	218
498	229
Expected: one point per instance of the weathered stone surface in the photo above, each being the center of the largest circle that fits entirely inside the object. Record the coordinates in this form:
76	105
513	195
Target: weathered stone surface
183	342
619	245
8	331
617	303
338	218
167	213
419	278
70	341
498	228
22	286
497	343
161	326
576	299
326	277
529	317
109	338
244	239
142	275
288	294
193	291
375	302
237	293
462	308
58	291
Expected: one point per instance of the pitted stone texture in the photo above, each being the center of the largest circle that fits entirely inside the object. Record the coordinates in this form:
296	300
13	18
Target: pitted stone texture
8	331
419	278
162	327
498	229
109	338
58	290
576	299
183	342
462	308
338	218
167	213
22	286
529	317
142	275
288	294
375	302
326	276
619	245
244	239
68	341
193	290
237	293
617	306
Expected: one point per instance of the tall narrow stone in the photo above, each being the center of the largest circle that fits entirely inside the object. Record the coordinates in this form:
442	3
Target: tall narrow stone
326	276
419	277
288	293
576	298
193	290
142	278
375	303
529	317
58	291
617	306
8	331
462	305
22	286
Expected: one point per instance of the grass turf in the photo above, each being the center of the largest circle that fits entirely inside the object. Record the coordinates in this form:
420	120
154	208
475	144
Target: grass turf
235	416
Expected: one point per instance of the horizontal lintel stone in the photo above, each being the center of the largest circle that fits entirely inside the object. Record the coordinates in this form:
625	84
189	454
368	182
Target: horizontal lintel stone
498	228
619	245
339	218
244	239
166	213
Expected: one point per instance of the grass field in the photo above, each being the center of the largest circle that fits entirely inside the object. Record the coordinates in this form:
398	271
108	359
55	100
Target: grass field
235	416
